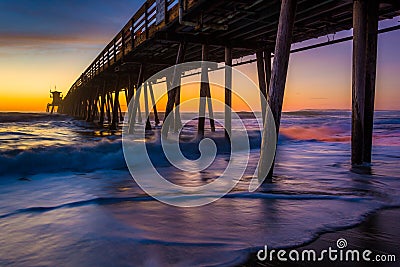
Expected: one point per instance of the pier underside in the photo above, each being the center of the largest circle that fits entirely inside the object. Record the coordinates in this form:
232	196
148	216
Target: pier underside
164	33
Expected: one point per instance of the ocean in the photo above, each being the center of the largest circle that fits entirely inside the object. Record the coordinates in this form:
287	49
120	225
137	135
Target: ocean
68	199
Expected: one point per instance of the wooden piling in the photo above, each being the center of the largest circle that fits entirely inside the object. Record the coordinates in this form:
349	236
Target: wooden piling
96	115
103	103
79	109
172	91
108	107
139	92
84	109
139	80
89	109
135	111
262	82
114	122
210	107
127	95
95	105
358	87
121	115
102	109
203	93
372	48
94	109
228	91
153	102
268	69
176	84
75	110
177	120
138	106
111	101
205	96
278	78
146	106
171	96
131	90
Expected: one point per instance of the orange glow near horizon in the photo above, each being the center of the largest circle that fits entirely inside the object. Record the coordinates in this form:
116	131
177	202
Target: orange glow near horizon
190	93
317	79
28	74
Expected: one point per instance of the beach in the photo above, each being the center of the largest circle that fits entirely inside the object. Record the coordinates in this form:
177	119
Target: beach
379	233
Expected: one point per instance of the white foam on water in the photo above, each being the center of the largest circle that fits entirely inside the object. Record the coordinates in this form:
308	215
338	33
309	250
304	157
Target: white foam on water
74	203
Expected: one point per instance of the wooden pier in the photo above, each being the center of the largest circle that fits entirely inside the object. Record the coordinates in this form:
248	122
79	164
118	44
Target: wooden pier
163	33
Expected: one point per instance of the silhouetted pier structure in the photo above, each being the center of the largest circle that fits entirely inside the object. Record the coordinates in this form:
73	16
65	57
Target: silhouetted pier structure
164	32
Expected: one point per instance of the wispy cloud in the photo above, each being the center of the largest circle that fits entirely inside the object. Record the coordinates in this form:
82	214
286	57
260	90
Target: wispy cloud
45	40
26	23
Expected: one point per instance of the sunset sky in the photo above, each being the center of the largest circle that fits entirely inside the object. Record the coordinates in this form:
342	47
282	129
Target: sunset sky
49	43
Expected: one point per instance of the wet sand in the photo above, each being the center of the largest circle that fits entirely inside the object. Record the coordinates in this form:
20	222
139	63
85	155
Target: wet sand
379	233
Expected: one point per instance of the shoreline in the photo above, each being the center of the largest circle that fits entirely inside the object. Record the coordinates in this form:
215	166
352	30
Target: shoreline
378	232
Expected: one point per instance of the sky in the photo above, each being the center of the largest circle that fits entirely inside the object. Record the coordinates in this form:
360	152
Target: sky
48	43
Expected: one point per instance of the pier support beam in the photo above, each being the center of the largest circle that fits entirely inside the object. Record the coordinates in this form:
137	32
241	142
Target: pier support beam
177	84
138	84
84	107
79	108
129	95
262	82
358	86
228	91
372	48
278	77
121	115
114	122
146	106
153	101
102	103
108	107
135	106
95	109
172	93
138	92
135	109
110	103
89	109
205	96
268	70
178	119
127	90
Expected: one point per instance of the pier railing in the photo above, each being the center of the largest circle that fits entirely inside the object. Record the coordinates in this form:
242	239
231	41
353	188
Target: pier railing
152	16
